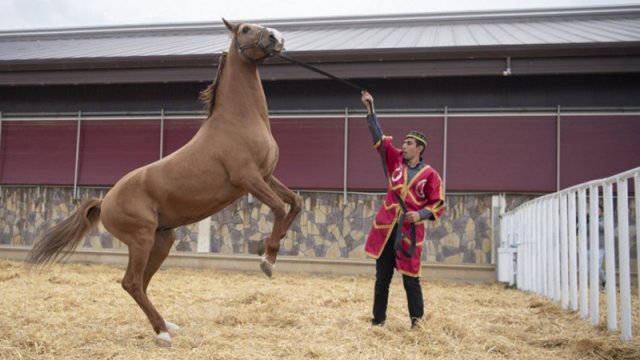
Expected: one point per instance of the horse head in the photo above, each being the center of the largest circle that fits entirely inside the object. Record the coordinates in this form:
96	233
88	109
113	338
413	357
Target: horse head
254	42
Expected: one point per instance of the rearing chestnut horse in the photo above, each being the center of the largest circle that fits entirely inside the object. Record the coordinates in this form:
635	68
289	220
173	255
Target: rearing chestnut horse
232	154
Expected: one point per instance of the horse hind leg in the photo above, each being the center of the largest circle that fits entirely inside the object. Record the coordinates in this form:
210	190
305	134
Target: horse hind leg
161	247
133	283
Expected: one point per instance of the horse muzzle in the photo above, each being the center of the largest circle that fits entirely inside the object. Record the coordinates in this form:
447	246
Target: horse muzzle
275	41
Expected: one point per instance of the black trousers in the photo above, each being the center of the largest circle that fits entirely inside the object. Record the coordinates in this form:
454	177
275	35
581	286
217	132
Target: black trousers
385	266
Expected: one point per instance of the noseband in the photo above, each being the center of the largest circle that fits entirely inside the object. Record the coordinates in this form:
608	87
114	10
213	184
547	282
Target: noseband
257	44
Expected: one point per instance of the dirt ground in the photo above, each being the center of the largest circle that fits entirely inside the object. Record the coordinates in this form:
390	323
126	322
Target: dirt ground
81	312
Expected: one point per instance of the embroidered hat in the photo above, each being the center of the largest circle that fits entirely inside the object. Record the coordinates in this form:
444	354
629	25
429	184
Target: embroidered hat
418	136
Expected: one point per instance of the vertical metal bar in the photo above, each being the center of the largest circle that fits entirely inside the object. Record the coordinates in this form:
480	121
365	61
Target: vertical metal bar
623	253
594	286
582	253
76	170
444	150
573	261
346	156
564	252
161	133
609	252
558	149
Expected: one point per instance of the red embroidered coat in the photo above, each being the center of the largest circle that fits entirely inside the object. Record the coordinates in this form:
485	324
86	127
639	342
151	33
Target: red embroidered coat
423	192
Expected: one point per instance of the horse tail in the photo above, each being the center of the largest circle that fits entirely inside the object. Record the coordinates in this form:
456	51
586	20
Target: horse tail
66	235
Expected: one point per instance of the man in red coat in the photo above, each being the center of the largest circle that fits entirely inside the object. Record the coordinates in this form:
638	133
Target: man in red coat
412	186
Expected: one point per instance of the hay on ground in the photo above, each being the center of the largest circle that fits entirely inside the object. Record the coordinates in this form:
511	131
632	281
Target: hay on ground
81	312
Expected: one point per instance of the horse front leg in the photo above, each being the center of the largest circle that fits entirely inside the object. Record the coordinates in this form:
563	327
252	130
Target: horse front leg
259	188
289	197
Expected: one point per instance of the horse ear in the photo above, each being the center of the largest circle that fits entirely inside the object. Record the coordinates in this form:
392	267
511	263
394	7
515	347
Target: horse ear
232	27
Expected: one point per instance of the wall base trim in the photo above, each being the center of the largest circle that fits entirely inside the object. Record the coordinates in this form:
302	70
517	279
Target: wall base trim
291	264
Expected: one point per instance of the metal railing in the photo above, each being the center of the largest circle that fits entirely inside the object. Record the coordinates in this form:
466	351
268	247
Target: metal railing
550	239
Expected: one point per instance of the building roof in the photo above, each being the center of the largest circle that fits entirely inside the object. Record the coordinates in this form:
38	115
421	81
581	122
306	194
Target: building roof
344	43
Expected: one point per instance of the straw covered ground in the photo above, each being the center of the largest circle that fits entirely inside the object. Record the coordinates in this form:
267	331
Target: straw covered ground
81	312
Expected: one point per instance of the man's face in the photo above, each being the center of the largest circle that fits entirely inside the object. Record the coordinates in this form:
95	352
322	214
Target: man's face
411	149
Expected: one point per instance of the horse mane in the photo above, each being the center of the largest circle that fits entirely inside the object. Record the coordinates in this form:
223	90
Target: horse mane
208	95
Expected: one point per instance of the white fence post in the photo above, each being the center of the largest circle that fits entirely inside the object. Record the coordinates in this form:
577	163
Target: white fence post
564	252
610	258
573	261
594	289
623	250
556	249
582	253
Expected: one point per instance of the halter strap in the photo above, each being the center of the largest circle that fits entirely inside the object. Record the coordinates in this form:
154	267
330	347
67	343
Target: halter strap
257	44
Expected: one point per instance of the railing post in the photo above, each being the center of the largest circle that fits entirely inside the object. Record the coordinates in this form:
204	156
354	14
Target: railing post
519	254
544	269
564	252
573	261
582	253
623	251
556	249
609	252
594	286
539	249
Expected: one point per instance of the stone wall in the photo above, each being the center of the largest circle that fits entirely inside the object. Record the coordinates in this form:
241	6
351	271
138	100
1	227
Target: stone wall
326	227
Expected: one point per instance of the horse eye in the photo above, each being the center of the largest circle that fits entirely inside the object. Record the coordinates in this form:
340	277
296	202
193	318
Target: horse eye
245	29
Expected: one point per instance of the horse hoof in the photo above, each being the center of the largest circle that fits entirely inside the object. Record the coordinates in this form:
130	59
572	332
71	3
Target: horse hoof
163	339
266	266
171	326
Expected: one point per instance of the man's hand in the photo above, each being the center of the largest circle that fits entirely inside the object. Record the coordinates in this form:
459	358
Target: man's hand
367	100
412	216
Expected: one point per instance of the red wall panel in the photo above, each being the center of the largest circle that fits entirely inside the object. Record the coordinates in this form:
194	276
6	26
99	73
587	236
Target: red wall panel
109	149
38	152
178	132
594	147
311	152
365	167
485	153
501	153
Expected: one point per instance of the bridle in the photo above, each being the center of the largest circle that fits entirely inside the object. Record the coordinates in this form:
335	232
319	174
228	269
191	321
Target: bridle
255	45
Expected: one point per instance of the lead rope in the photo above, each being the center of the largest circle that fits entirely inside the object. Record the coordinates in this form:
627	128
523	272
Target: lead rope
412	230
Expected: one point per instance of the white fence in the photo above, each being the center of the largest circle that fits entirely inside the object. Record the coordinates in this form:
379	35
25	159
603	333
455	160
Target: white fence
544	248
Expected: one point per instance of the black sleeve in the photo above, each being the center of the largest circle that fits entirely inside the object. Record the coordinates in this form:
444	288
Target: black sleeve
374	127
